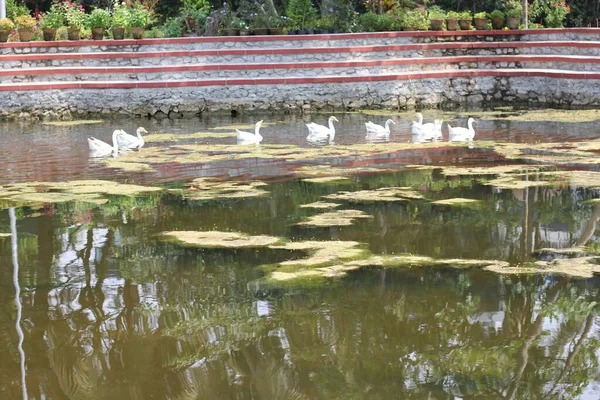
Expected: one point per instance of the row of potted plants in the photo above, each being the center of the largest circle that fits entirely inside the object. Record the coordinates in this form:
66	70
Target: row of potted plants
463	20
73	16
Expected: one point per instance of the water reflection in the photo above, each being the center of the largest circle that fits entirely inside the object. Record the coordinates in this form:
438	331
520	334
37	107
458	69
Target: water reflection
110	312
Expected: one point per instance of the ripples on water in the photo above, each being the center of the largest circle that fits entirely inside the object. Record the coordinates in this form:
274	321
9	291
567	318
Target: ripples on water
110	312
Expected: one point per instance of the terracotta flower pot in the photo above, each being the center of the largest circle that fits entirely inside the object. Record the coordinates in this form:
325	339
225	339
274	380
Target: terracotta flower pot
497	22
24	35
98	33
480	23
451	24
465	24
137	32
49	34
436	24
4	34
513	23
73	33
118	32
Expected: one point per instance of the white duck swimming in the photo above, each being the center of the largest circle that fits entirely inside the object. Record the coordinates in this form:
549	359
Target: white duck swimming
126	140
374	129
460	134
249	137
429	131
318	132
98	148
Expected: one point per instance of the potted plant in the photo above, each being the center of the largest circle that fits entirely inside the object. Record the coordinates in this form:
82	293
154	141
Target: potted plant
50	21
139	18
74	18
6	27
415	20
229	20
25	25
481	20
98	20
452	20
276	24
465	19
436	18
497	18
513	18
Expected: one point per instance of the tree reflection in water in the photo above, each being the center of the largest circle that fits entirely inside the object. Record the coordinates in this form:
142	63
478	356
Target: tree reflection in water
110	313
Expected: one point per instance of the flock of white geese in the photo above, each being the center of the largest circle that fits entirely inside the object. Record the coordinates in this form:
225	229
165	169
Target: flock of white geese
431	131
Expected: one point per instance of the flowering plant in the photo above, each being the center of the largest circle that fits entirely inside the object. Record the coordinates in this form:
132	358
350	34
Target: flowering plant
227	16
139	16
98	18
53	18
74	14
415	20
120	14
556	14
255	13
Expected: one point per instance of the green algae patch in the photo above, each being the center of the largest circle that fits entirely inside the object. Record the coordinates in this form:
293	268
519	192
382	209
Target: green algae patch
581	267
390	194
320	254
458	201
555	115
4	235
335	218
479	171
515	182
218	239
322	205
74	123
175	137
89	191
206	189
128	166
326	179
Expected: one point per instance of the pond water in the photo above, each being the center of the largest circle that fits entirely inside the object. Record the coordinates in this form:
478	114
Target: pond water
96	304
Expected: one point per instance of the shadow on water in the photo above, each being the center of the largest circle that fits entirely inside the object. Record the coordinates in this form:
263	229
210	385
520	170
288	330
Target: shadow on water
110	311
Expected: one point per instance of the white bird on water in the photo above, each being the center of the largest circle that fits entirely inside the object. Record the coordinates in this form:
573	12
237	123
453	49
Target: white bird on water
249	137
318	132
460	134
98	148
430	130
126	140
374	129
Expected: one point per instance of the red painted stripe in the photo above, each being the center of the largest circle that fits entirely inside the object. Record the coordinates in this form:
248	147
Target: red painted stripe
303	80
297	65
308	50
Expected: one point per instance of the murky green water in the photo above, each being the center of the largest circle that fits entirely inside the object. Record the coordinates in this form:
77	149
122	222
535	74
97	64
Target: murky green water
108	310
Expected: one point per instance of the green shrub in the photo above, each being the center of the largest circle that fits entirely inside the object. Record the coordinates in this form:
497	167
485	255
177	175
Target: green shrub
53	18
436	13
481	14
14	10
120	15
301	13
372	22
98	18
497	14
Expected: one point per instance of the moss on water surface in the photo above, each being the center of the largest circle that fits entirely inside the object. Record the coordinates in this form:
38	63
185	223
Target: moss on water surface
335	218
217	239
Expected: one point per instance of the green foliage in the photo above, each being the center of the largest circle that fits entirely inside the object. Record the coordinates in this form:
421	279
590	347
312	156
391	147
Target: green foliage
14	10
190	21
74	14
415	20
53	18
120	15
301	13
436	13
139	16
497	14
465	15
372	22
452	15
481	14
98	18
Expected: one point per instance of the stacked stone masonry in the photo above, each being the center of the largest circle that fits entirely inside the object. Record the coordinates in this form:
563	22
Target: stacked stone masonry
188	76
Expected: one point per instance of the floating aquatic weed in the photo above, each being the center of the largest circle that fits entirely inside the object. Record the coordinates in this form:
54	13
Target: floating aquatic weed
206	189
335	218
326	179
581	267
321	204
320	254
129	166
458	201
175	137
74	123
90	191
515	182
389	194
494	170
218	239
3	235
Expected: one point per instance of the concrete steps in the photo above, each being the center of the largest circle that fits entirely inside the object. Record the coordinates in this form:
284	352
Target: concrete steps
343	65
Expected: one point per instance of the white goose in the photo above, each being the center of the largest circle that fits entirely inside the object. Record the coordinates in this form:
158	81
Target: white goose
126	140
374	129
318	132
98	148
460	134
429	131
249	137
